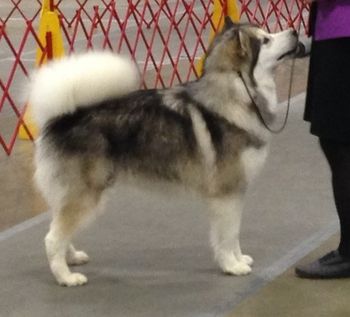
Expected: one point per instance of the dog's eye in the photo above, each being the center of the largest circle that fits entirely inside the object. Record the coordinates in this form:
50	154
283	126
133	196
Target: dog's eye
266	40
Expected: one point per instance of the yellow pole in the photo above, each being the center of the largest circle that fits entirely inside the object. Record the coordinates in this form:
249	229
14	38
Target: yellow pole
50	37
221	9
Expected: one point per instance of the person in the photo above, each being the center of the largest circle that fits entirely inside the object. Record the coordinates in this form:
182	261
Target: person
328	111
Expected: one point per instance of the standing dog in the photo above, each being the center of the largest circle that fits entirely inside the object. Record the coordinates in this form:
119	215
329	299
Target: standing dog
98	129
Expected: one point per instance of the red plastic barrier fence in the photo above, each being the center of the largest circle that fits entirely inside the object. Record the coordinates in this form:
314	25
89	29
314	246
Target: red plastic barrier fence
276	15
165	38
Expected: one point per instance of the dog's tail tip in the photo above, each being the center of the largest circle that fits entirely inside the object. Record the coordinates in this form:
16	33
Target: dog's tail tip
61	86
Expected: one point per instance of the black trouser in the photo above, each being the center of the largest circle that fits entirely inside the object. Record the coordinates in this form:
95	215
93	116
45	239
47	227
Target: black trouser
338	156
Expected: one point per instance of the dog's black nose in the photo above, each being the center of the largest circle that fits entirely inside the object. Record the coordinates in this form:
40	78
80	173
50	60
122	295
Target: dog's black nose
295	33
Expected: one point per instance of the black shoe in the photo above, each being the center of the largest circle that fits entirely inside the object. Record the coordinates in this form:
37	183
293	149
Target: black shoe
332	265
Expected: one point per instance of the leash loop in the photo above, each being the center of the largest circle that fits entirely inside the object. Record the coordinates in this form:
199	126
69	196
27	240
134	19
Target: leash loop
279	130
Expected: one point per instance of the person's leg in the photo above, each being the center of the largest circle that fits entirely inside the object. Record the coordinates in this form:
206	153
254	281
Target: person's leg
338	156
335	264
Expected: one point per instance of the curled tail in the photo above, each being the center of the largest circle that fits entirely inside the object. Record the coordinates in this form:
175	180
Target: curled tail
79	81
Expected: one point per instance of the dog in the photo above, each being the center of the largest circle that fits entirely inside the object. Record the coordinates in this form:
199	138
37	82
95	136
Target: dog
98	128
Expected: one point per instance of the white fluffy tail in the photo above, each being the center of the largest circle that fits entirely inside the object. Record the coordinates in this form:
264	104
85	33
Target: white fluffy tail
80	81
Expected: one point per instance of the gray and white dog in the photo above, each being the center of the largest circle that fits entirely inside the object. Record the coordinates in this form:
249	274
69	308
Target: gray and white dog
97	129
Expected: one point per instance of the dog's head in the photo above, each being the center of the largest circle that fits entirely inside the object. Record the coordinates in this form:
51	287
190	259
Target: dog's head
247	48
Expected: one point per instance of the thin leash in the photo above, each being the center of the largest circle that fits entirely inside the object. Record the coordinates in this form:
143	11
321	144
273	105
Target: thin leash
279	130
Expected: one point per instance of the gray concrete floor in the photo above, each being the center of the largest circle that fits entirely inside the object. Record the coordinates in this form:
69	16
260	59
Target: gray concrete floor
288	296
149	251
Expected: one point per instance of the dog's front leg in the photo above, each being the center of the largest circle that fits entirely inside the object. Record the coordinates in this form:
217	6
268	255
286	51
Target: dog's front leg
225	230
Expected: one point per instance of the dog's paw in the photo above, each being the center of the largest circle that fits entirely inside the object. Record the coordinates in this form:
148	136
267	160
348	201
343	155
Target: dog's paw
238	268
77	258
247	259
73	279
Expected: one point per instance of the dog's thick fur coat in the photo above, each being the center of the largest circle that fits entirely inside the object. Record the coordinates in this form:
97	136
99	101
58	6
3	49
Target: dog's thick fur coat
98	129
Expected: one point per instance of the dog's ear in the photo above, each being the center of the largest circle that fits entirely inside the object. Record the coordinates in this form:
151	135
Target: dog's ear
237	36
228	23
240	42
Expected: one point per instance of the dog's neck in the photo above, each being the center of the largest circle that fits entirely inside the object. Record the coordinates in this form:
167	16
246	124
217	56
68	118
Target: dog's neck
266	87
226	94
262	92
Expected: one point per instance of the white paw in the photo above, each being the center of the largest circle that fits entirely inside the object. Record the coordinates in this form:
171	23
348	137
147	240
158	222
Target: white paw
247	259
73	279
238	268
77	258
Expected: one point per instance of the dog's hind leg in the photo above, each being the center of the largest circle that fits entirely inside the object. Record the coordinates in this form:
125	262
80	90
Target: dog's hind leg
225	230
65	222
